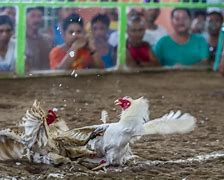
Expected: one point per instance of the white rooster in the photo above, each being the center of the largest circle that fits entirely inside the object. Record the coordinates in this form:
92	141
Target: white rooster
113	146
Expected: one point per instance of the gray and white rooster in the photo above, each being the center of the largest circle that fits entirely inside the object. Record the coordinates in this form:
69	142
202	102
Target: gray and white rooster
39	138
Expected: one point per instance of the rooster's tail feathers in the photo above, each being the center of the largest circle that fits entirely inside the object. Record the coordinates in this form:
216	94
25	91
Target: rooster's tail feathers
34	123
170	123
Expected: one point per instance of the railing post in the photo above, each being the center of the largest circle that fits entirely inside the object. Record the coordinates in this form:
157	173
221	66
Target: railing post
122	36
20	38
218	55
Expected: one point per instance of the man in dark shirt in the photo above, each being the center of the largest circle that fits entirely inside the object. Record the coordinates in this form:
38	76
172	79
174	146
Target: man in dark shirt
38	45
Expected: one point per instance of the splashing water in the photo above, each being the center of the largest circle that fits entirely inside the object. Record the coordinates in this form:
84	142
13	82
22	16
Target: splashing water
55	109
18	163
73	72
72	54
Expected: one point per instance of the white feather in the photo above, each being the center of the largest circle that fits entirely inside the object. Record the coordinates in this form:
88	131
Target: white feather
104	116
171	123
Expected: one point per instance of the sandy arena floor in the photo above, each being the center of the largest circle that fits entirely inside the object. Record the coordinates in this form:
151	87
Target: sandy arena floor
197	155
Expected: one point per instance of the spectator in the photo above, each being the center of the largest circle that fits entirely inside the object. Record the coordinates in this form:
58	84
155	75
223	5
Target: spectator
76	52
9	11
198	23
113	16
181	47
214	21
134	12
62	13
99	28
38	45
7	45
138	53
153	32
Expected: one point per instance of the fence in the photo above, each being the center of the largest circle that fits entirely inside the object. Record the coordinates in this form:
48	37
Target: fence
122	5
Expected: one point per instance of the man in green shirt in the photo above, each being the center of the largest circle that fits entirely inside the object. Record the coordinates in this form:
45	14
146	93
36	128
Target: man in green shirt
181	47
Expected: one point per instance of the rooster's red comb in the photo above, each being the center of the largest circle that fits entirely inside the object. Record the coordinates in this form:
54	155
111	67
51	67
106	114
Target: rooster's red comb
51	117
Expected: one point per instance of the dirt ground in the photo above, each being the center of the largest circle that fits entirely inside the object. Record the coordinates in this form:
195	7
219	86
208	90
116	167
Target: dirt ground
81	99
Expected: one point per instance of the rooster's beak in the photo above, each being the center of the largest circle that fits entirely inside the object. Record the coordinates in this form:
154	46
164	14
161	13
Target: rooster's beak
117	102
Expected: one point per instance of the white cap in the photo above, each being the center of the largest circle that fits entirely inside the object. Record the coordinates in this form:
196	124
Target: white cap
214	9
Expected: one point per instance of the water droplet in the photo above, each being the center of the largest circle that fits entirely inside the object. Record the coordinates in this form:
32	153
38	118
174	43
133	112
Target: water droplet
76	74
18	163
77	90
55	109
60	85
73	72
71	53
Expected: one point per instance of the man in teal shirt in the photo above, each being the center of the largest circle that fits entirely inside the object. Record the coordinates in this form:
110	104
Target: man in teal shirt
181	47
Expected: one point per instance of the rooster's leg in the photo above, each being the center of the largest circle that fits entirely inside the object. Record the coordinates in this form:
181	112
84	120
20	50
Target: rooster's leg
101	166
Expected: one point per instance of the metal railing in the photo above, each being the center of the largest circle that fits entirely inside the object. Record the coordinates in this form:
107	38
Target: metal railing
122	5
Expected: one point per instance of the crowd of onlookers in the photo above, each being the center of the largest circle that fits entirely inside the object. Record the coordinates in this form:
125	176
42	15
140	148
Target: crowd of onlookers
193	41
71	43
